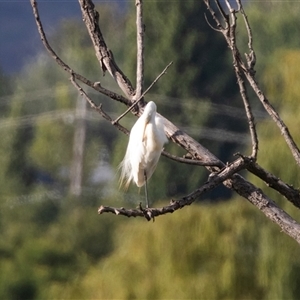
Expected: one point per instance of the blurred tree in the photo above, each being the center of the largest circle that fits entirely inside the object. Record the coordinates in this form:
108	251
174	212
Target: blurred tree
228	259
46	238
41	254
271	34
43	110
5	90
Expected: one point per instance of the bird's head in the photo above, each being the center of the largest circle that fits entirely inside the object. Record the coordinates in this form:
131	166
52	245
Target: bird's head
150	110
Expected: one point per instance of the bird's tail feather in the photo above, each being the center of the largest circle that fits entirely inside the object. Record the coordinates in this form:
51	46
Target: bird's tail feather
125	177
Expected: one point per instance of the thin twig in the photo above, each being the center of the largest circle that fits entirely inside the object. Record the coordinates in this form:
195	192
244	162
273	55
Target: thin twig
98	108
211	26
247	24
213	14
251	62
222	12
251	57
229	33
248	110
187	161
276	118
140	49
144	93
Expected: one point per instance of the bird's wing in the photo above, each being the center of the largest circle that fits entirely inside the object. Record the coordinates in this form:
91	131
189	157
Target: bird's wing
126	173
129	164
136	148
160	128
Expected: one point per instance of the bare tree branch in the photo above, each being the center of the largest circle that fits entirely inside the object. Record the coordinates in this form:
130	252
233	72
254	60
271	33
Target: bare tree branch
289	192
276	118
265	205
228	32
249	114
237	182
103	54
187	161
214	16
250	73
251	57
222	12
144	93
98	108
140	49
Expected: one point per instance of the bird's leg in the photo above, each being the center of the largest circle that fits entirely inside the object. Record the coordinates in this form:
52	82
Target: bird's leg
146	189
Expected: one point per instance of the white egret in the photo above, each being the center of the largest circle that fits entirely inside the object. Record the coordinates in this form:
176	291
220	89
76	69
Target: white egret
146	141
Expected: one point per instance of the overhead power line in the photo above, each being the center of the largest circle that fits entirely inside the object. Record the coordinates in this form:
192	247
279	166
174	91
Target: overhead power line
69	115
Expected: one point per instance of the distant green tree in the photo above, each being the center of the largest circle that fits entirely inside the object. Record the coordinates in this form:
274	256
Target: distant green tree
271	34
5	90
45	237
42	112
209	252
37	253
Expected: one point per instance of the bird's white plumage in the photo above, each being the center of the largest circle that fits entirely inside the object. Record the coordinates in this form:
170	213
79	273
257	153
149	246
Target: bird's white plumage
146	141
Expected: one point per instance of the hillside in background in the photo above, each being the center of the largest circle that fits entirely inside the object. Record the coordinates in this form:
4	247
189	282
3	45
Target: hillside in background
19	38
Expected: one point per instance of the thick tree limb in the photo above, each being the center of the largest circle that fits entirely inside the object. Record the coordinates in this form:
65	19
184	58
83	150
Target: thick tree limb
289	192
266	205
103	54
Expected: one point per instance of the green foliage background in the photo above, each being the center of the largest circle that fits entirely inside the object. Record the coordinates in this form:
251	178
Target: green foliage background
53	246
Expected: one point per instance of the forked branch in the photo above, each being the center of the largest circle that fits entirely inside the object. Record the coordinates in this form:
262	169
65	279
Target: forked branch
103	54
97	108
229	32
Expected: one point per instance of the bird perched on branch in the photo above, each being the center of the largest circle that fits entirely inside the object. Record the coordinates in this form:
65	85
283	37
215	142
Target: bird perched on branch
146	141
